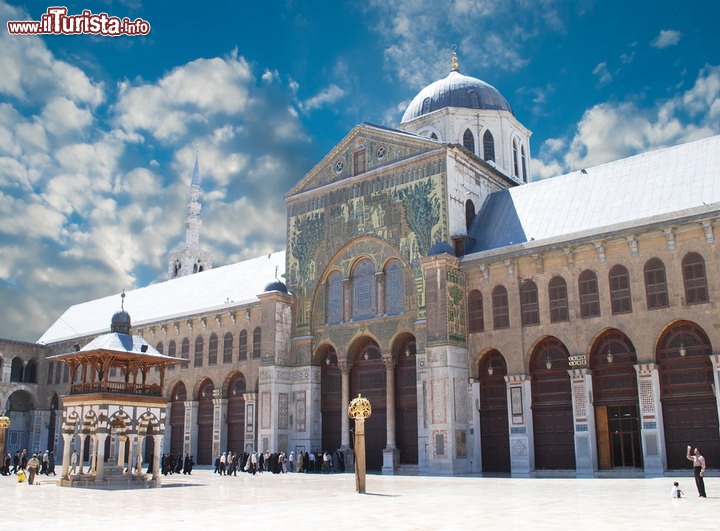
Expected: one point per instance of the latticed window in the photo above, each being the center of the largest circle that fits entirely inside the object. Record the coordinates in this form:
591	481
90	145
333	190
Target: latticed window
469	140
227	348
199	346
213	349
529	309
655	284
364	303
589	295
620	297
476	323
257	342
171	352
334	298
557	292
185	349
696	290
501	312
243	345
488	146
394	288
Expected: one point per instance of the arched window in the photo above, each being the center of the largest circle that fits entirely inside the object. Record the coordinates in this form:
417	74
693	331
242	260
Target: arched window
488	146
257	343
242	345
524	163
501	312
394	288
199	346
51	366
655	284
334	308
185	350
589	295
433	136
213	349
529	309
469	141
66	373
515	158
694	279
58	372
620	297
16	370
469	212
557	292
359	159
425	106
474	99
172	354
227	348
364	302
476	322
160	348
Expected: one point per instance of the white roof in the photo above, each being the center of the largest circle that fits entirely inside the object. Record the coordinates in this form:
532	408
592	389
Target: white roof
211	290
651	185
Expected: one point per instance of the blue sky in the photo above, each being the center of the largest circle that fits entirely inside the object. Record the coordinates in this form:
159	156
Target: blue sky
98	134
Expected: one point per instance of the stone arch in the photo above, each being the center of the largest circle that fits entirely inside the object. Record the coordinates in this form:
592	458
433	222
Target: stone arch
16	369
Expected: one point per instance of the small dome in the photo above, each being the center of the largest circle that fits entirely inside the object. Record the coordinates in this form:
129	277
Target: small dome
276	285
120	322
456	90
441	248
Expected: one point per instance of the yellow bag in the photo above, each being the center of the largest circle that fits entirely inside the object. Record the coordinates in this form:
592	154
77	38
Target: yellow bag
21	476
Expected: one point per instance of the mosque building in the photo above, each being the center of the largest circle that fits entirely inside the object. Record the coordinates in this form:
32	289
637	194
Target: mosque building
496	324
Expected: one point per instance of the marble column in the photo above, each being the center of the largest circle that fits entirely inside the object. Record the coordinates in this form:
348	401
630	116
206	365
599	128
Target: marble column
157	453
391	454
67	451
584	422
100	456
81	457
522	442
652	428
347	299
344	367
122	444
138	454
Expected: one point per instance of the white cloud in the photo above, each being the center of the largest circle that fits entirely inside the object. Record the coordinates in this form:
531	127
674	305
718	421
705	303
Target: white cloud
602	73
325	97
666	38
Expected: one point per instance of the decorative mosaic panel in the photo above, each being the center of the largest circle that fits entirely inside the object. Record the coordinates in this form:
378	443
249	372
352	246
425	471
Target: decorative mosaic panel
461	400
438	396
518	447
460	444
266	410
581	427
282	411
440	439
647	402
580	399
300	410
649	425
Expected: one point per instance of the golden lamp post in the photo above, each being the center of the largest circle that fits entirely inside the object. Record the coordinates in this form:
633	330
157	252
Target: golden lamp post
360	409
4	425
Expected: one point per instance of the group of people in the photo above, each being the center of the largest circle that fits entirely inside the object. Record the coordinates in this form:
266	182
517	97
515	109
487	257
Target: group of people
175	464
699	471
33	465
228	463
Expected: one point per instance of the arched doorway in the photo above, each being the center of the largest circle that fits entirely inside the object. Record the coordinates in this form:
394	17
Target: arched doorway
686	390
494	432
236	414
178	396
205	423
331	404
369	379
406	423
552	406
615	397
19	406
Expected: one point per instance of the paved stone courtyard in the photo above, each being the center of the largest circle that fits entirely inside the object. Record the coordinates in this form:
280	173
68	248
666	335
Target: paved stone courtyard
319	502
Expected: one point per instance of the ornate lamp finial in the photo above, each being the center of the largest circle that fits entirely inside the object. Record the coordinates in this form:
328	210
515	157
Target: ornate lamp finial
122	300
454	62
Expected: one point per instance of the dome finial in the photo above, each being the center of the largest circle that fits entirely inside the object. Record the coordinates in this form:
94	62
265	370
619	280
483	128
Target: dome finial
122	300
454	61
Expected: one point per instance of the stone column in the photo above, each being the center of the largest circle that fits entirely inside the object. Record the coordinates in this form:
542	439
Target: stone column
67	451
100	456
251	442
190	444
157	453
81	457
344	367
138	454
347	299
652	428
380	292
390	454
122	444
522	442
584	420
93	453
219	416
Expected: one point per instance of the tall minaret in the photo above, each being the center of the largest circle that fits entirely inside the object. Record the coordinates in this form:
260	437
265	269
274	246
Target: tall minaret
189	259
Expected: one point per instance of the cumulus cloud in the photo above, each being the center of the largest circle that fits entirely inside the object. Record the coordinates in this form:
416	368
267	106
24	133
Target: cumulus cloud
666	38
325	97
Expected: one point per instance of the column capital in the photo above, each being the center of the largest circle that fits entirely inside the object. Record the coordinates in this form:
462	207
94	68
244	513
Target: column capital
389	362
344	366
645	369
516	379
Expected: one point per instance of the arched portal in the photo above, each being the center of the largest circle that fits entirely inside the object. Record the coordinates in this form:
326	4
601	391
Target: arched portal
686	390
331	404
19	406
178	396
406	415
236	413
552	406
205	423
368	378
494	432
615	394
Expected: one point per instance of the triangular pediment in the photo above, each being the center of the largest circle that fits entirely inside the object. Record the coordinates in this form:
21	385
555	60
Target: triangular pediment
381	147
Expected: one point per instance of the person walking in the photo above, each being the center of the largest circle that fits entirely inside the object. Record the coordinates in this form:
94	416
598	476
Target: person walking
699	468
32	467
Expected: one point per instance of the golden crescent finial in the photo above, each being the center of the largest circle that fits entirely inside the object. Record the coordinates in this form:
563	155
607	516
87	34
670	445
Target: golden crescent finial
454	62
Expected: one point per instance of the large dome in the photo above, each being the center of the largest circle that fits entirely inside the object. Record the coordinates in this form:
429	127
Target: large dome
456	90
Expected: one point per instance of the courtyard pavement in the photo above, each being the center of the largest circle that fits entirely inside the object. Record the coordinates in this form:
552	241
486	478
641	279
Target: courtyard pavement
329	502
